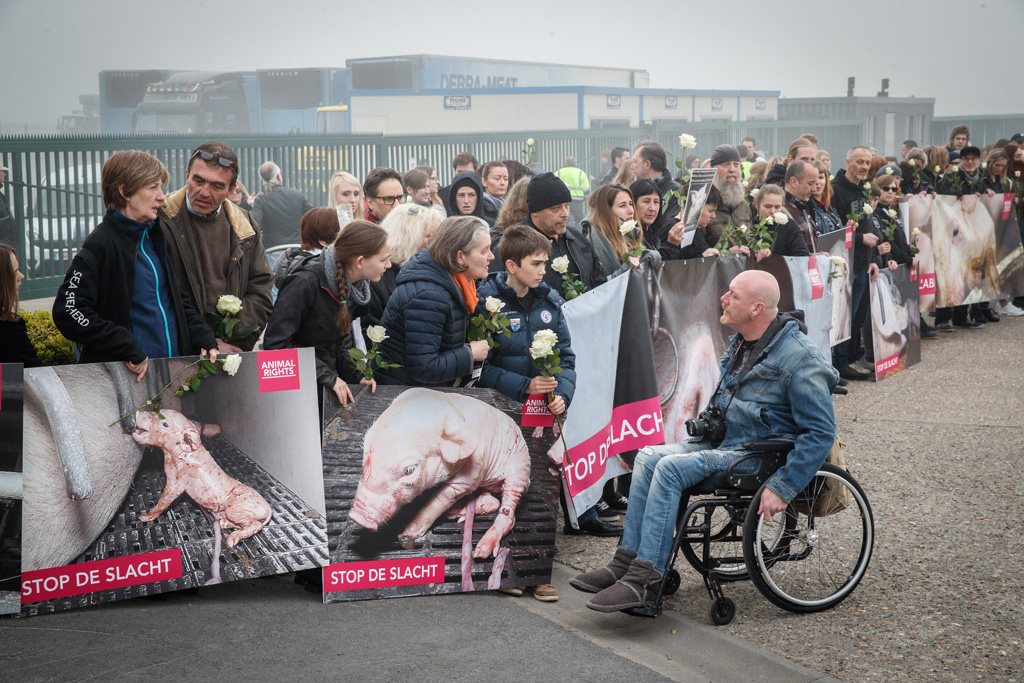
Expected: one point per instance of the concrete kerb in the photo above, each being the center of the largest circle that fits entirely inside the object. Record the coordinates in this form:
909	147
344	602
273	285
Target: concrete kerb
671	645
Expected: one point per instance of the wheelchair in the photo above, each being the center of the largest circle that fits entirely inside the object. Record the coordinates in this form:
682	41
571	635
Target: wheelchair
808	558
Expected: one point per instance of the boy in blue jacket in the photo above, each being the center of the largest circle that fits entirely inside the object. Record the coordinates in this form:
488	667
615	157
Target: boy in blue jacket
530	306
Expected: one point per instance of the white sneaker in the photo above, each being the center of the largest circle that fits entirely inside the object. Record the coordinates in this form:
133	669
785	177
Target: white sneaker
1009	309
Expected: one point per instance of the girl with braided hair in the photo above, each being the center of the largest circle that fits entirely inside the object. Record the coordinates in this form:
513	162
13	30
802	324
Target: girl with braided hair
317	303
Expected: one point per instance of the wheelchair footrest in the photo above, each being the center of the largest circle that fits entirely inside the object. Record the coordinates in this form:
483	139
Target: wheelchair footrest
649	610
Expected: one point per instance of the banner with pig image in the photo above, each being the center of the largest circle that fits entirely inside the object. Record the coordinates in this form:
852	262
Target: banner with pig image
220	483
612	413
11	403
839	245
895	321
434	491
978	255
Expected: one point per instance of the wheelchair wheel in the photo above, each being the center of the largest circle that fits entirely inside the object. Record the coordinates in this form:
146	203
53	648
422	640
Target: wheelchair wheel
810	557
672	582
721	611
726	523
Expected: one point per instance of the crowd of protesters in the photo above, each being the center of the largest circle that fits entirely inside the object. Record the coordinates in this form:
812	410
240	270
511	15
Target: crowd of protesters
399	251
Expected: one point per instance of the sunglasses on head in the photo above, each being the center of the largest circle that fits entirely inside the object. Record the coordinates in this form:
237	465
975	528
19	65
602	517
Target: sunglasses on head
213	158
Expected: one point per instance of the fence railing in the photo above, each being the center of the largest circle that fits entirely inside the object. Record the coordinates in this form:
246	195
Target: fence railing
55	192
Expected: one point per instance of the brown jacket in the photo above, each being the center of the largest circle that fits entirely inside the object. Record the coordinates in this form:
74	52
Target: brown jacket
249	275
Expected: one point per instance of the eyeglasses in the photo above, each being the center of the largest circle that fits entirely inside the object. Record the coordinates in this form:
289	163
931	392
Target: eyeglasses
389	201
211	157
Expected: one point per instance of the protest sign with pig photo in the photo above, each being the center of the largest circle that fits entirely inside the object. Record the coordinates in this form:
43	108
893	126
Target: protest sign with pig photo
11	398
895	321
433	492
221	481
964	240
839	245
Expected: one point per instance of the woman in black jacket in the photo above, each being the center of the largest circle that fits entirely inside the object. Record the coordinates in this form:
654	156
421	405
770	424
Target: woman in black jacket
317	302
120	299
15	346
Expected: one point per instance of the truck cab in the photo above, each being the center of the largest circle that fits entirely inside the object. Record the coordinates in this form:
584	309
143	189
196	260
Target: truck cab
197	103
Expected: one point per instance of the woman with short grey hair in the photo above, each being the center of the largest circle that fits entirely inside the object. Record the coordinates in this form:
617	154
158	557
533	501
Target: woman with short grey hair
427	316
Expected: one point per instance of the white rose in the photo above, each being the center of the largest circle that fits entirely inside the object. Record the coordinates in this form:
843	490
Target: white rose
832	177
494	304
546	336
867	208
529	142
540	349
781	218
229	305
838	260
915	232
984	165
560	264
185	387
1016	174
867	186
231	364
755	192
892	214
938	169
743	229
377	333
687	141
911	162
627	228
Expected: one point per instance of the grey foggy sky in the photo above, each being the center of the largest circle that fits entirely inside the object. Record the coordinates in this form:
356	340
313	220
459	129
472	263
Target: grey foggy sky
53	50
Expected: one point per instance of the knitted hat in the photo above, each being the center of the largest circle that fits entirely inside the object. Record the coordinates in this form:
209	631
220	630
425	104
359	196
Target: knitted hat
723	154
545	191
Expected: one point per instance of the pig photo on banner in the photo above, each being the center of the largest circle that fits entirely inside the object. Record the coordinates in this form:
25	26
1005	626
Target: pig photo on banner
11	401
613	413
435	491
917	214
895	321
688	337
964	239
220	484
839	244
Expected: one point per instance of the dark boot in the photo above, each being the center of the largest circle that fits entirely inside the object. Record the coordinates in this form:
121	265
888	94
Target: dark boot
637	588
597	580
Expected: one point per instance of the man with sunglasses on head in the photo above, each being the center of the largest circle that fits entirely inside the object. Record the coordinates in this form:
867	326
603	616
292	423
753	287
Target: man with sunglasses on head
217	247
384	190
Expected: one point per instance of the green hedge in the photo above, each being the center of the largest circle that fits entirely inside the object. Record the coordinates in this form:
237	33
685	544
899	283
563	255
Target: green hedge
53	348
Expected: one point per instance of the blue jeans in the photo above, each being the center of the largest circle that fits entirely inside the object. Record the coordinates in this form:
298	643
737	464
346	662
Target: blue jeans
660	475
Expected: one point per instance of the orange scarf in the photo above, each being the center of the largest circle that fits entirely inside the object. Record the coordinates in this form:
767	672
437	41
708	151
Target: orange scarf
468	289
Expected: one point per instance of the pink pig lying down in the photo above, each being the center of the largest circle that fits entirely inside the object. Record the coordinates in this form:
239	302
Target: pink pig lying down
191	469
457	444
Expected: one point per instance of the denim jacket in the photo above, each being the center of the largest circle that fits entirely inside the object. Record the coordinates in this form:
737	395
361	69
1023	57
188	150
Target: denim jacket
786	394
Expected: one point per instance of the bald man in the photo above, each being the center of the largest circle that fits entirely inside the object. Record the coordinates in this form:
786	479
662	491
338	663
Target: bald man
774	384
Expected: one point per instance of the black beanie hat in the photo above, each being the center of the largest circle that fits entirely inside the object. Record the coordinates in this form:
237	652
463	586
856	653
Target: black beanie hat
544	191
723	154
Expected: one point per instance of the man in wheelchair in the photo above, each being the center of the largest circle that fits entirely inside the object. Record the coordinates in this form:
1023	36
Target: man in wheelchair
775	384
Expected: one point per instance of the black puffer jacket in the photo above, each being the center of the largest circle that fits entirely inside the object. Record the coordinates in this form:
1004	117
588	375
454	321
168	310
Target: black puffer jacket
426	322
306	314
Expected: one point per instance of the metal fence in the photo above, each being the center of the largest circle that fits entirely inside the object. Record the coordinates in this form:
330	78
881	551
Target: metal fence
54	182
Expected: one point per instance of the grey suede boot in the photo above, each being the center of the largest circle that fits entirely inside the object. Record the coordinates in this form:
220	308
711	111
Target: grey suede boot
638	587
597	580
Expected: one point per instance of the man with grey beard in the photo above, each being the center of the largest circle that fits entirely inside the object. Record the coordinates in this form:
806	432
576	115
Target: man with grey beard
734	209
